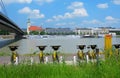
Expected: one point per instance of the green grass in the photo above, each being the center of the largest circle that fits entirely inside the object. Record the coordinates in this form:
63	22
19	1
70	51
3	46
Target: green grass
5	54
110	68
106	69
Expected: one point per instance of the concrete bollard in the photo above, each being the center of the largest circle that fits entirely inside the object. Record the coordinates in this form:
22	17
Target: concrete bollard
46	60
74	59
87	58
16	61
61	59
31	60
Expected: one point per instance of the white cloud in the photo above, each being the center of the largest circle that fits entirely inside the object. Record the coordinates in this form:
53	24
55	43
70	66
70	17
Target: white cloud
65	24
35	13
80	12
58	17
102	6
91	22
44	1
67	15
109	22
117	2
25	10
77	11
17	1
112	20
76	5
49	20
109	18
61	24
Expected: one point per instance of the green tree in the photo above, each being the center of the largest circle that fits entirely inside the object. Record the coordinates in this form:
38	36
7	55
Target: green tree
34	33
42	33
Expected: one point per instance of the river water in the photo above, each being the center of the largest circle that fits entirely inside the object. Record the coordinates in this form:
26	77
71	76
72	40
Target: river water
68	44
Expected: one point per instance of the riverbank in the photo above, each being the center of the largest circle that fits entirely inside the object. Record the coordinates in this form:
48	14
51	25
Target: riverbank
105	69
68	58
7	37
26	58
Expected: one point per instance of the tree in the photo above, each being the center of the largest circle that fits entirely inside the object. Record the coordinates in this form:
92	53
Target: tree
42	33
4	32
34	33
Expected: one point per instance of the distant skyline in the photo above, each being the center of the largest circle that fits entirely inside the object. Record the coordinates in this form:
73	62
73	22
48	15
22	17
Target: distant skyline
64	13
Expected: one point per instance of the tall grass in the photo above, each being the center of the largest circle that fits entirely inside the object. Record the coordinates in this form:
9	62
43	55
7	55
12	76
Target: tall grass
105	69
109	68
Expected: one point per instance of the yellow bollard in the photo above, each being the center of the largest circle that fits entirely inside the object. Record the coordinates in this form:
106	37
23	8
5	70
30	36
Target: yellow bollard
80	55
55	55
14	54
116	49
108	45
41	56
80	52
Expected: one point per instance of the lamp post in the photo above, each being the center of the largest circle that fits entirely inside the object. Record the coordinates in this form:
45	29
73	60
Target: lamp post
41	57
14	57
55	55
80	53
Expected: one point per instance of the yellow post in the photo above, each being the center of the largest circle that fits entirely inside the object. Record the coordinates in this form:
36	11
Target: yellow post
108	44
41	54
54	55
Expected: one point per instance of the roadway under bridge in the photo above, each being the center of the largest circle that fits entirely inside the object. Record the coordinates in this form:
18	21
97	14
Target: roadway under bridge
9	25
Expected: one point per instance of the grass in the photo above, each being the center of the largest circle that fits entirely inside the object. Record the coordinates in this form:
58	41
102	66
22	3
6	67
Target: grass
106	69
5	54
109	68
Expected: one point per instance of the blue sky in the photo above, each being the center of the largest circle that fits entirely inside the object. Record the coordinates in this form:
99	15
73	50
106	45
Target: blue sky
64	13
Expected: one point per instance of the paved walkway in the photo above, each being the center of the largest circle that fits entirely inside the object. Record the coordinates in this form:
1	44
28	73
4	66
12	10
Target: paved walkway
27	59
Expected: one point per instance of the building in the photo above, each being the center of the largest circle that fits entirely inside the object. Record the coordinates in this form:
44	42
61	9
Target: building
91	31
35	28
83	31
31	28
58	31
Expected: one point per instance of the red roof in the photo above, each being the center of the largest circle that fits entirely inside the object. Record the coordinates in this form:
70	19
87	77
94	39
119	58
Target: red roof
35	28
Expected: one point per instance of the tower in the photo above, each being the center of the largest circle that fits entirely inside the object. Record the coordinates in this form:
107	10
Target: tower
28	26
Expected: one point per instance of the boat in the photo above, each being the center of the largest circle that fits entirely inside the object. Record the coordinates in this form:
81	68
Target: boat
88	36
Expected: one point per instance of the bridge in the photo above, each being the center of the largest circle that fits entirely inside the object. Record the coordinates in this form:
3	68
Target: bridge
9	25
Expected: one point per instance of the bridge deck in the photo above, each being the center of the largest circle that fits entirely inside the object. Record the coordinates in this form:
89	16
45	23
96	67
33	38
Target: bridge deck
9	25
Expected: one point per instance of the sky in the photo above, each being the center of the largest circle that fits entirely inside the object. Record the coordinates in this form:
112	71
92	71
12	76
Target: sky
64	13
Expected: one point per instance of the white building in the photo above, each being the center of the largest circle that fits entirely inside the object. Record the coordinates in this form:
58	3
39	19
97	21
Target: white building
91	31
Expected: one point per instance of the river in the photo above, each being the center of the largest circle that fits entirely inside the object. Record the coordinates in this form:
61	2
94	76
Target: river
68	44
